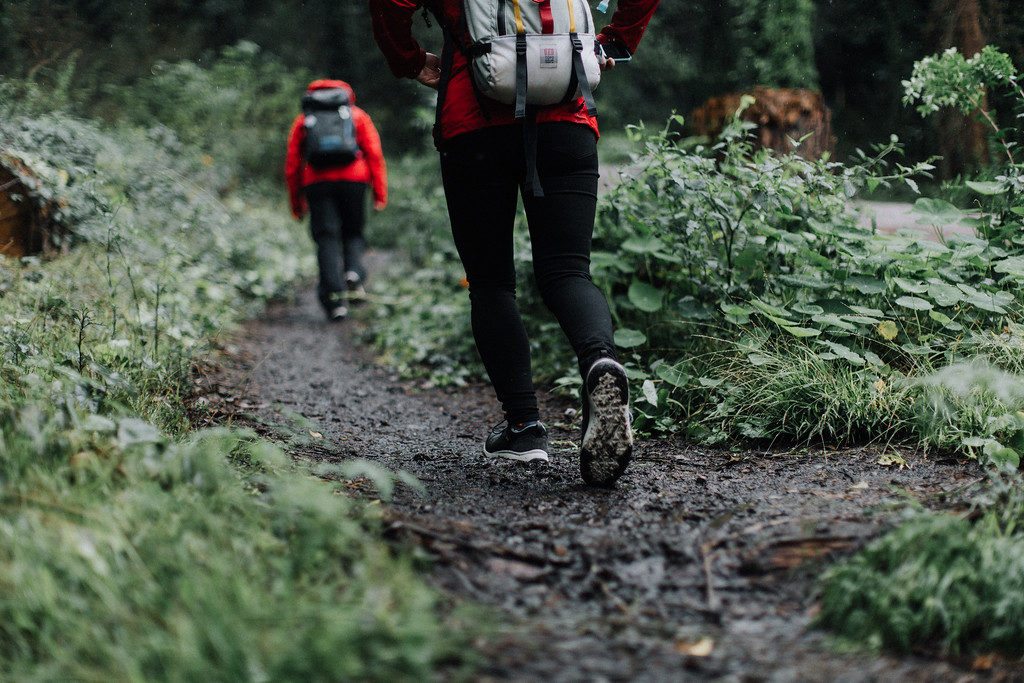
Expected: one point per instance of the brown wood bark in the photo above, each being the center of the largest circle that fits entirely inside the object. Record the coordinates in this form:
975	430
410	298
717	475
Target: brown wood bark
17	233
963	140
782	116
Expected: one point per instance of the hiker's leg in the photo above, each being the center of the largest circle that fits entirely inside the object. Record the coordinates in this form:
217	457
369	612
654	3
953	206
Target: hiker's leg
352	208
325	223
480	172
561	230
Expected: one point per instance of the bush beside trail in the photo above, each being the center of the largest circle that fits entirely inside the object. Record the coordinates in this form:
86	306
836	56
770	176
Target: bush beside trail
131	547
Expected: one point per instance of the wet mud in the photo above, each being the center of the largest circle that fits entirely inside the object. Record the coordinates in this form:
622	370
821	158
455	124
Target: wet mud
701	564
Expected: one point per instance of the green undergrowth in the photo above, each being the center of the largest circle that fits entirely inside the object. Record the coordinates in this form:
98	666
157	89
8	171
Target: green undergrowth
131	547
752	302
943	583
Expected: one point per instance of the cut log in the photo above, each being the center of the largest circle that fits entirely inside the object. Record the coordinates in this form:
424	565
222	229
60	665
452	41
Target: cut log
782	116
26	226
18	236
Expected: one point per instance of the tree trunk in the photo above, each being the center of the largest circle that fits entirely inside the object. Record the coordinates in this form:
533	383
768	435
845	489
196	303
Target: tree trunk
963	139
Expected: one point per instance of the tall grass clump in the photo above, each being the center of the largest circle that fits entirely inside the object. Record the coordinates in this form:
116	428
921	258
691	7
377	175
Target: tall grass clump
131	547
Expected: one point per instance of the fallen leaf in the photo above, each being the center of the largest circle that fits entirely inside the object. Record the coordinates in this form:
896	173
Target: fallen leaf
700	648
888	330
316	435
889	459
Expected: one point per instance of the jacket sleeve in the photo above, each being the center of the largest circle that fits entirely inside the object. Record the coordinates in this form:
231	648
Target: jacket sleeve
369	143
392	28
293	167
629	22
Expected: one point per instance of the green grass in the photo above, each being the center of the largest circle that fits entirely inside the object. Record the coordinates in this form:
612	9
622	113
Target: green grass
132	548
939	582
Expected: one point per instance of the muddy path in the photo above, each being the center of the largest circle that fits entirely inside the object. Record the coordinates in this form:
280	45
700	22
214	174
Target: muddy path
700	565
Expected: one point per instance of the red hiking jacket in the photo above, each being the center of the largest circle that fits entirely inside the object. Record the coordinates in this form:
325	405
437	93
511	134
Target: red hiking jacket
368	168
392	27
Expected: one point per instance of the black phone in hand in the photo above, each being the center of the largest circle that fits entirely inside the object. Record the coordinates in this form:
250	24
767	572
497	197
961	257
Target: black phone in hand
617	51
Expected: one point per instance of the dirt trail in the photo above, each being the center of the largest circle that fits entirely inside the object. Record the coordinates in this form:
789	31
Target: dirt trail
626	584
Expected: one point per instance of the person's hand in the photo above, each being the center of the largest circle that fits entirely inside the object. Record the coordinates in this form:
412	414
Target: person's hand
430	74
607	63
379	204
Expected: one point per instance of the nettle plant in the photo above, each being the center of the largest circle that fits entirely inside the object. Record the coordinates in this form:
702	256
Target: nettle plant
722	260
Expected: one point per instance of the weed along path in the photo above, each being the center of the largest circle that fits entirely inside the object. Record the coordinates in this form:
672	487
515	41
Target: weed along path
700	564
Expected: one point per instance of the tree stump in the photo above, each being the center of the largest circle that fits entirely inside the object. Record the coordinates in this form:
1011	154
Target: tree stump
25	224
782	116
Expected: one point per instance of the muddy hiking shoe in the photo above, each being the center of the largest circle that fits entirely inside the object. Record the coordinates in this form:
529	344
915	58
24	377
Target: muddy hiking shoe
607	444
518	442
356	291
335	308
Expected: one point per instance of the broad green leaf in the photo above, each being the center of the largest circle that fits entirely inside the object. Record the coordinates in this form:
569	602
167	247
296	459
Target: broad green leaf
808	309
833	320
866	285
910	286
914	303
843	352
917	349
1002	455
650	392
993	302
672	375
937	211
629	339
738	315
986	187
801	331
769	309
646	297
643	245
945	294
861	319
1013	265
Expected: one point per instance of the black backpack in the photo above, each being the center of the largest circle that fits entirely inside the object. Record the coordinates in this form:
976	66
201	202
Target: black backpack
330	128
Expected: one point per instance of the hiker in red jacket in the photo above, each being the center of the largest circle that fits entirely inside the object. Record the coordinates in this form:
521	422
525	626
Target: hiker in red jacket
493	150
334	153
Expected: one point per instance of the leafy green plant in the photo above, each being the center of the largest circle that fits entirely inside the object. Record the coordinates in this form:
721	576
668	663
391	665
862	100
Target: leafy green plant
951	80
131	547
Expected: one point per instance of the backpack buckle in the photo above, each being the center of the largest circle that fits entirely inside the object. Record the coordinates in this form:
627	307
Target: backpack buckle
521	44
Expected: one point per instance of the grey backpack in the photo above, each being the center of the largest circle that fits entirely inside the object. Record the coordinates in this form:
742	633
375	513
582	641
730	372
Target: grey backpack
533	52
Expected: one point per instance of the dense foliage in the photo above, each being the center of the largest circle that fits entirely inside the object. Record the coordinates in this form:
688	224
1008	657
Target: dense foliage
132	548
939	581
693	50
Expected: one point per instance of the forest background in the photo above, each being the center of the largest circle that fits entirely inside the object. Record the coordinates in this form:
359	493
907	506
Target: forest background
856	52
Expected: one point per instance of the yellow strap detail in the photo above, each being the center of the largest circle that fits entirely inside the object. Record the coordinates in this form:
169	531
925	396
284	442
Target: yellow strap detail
520	28
572	17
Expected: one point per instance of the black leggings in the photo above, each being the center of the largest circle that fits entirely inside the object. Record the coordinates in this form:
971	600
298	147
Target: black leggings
483	172
337	215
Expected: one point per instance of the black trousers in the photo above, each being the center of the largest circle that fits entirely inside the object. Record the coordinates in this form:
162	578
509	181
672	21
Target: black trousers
337	217
483	174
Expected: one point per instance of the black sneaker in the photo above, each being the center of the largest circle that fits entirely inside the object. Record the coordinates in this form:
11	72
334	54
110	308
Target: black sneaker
522	442
336	314
356	291
335	307
607	444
